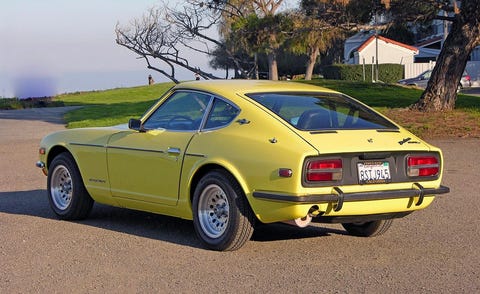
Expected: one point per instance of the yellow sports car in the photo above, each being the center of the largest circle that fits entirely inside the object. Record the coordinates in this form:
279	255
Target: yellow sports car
230	154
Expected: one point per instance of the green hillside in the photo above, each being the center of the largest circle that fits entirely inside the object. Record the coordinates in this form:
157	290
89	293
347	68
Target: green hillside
110	107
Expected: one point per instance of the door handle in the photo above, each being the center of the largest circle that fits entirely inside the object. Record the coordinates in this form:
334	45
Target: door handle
173	151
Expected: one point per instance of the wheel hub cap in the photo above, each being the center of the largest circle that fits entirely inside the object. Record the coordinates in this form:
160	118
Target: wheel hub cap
61	187
213	211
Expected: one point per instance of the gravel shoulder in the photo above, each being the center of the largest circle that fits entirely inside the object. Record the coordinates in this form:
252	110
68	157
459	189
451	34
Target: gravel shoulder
123	251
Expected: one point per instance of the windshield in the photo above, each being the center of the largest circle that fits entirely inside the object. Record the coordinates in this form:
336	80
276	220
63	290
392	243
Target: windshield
321	111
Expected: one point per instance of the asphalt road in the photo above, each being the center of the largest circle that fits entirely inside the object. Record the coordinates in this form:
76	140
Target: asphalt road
123	251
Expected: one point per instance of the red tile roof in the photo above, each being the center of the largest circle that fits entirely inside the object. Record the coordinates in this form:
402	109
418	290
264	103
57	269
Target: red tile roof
386	40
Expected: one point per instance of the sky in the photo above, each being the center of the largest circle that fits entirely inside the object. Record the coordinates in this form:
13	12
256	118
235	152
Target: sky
50	47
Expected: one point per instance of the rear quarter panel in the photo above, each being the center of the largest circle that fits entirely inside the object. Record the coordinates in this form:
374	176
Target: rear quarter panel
252	152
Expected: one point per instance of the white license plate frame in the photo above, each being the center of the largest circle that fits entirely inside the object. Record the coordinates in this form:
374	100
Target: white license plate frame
373	172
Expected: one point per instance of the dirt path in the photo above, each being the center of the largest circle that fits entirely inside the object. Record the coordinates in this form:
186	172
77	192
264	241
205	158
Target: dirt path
123	251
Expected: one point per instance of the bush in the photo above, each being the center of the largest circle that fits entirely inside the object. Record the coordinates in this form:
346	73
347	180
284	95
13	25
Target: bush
388	73
10	103
14	103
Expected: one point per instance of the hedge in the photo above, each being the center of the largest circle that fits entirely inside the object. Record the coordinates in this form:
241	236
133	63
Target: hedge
388	73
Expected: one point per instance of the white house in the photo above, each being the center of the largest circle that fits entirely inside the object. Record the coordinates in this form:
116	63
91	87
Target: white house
351	44
381	48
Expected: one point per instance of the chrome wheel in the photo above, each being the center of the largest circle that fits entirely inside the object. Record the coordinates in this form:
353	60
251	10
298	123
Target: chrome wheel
213	211
222	217
61	187
67	195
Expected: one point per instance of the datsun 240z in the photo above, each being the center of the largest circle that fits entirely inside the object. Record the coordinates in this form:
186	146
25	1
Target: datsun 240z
232	154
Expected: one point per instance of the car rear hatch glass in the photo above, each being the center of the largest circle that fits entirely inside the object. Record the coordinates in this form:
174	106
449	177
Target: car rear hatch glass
333	121
322	111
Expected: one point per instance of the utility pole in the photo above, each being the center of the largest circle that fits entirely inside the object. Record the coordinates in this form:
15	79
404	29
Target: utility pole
376	44
376	55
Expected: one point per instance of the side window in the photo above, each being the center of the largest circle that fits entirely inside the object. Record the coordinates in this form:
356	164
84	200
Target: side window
222	114
182	111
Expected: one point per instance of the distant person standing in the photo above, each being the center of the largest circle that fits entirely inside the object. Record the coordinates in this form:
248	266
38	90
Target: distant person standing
150	80
197	77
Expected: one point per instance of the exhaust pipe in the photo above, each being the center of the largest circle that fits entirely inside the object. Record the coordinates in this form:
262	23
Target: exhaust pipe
303	222
300	222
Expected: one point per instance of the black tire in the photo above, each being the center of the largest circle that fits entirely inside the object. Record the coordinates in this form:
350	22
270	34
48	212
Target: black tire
368	229
222	217
67	195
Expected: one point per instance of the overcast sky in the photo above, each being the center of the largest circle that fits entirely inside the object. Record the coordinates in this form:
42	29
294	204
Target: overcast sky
55	46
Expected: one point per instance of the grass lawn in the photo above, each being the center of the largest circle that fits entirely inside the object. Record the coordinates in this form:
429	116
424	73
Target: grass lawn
392	100
111	107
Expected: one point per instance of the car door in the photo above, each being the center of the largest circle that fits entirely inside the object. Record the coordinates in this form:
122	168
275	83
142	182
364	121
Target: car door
146	165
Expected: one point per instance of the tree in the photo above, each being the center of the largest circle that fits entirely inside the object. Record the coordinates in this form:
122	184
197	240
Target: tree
464	36
252	27
310	30
400	32
163	34
320	23
311	36
233	11
264	35
264	31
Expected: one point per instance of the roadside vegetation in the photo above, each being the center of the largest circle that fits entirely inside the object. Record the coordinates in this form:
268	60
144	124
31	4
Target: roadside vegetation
14	103
116	106
394	100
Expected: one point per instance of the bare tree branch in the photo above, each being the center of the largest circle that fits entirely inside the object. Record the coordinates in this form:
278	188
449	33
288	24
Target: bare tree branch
161	37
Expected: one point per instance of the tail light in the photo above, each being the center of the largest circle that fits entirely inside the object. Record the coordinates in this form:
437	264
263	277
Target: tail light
422	166
467	77
321	170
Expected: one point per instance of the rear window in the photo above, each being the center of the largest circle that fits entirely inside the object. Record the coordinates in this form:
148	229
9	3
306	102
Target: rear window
321	111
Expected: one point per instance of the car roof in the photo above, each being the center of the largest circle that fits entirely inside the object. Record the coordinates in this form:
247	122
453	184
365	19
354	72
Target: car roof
229	87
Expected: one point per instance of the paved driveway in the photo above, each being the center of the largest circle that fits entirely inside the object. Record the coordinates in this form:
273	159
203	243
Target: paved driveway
123	251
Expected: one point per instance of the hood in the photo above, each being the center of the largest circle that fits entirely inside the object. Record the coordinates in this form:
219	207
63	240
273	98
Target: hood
121	127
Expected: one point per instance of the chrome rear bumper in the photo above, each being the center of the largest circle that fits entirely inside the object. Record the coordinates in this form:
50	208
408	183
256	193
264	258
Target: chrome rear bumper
339	197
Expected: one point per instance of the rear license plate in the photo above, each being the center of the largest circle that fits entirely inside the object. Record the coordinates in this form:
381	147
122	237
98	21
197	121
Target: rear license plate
374	172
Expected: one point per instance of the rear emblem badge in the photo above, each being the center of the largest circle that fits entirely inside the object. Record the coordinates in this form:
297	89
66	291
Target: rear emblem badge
404	141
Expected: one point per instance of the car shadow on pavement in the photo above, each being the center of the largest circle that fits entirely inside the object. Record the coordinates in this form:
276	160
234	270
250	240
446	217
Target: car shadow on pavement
31	203
280	231
144	224
138	223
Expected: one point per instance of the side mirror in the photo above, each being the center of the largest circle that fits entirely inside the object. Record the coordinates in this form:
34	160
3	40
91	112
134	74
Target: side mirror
135	124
